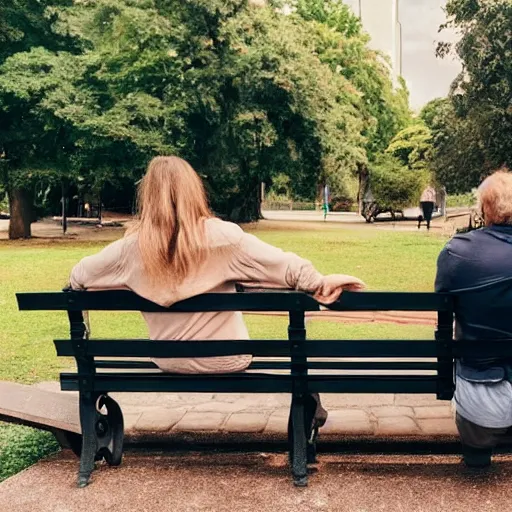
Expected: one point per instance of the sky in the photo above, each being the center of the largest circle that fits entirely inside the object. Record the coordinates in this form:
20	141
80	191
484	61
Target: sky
427	76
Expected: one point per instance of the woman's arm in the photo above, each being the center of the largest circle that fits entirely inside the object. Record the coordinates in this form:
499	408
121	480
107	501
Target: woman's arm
257	262
100	271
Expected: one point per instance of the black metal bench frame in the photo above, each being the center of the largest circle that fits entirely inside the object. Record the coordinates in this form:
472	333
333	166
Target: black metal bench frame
101	417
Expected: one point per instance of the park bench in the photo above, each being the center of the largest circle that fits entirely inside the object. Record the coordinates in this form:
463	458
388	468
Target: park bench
319	366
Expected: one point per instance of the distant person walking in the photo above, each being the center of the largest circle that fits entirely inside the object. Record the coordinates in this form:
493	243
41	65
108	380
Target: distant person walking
427	204
325	204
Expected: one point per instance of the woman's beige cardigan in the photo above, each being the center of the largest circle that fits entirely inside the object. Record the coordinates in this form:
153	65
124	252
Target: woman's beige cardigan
235	257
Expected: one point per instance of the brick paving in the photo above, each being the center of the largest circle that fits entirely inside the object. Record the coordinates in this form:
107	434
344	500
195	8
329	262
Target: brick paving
240	417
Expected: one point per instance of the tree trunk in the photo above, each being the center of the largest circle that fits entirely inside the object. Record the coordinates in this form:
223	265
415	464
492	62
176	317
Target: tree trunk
100	213
248	206
64	209
21	213
363	185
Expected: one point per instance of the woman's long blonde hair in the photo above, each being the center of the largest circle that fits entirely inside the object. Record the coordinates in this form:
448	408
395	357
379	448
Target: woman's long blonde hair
172	208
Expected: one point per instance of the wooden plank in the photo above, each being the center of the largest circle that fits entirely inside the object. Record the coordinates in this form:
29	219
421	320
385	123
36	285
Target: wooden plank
261	348
165	382
176	349
253	383
270	364
120	300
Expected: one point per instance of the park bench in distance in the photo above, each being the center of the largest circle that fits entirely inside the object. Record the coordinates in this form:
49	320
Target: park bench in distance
306	368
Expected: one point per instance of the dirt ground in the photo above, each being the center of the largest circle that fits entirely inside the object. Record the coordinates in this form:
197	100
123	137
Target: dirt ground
260	482
49	231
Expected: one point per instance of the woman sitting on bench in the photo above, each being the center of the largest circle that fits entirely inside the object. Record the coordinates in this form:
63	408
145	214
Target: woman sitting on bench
177	249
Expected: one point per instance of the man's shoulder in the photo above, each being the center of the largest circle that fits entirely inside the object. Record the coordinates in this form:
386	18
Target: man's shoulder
470	237
465	245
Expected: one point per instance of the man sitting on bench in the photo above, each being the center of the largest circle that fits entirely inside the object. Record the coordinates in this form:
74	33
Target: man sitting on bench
477	267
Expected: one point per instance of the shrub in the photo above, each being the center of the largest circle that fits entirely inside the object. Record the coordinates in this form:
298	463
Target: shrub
394	186
459	200
20	447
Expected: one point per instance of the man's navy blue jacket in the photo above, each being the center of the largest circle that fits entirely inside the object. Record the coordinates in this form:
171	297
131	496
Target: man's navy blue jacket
477	268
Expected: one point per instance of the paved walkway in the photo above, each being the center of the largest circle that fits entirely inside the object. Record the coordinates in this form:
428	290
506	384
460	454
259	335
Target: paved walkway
265	416
239	418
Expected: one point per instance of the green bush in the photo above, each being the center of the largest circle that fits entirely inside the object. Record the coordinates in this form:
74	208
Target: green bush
20	447
394	186
459	200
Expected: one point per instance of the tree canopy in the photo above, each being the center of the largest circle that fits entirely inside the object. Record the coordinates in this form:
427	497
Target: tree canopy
241	89
471	129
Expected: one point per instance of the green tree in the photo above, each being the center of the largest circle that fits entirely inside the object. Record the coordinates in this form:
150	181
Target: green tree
479	119
95	114
23	24
307	124
412	147
241	91
27	23
342	44
394	185
457	159
398	175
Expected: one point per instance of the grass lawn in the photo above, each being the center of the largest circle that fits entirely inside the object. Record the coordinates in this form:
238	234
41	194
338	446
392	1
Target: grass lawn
385	260
20	447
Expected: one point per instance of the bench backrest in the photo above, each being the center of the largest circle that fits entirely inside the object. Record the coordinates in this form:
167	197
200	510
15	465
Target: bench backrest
435	356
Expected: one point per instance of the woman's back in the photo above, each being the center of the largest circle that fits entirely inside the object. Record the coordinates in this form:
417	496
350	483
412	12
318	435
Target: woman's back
176	249
234	256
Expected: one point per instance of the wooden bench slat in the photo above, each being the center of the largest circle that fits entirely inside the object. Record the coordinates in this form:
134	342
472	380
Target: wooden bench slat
371	348
286	365
373	384
126	365
121	300
165	382
258	348
252	383
176	349
500	348
349	365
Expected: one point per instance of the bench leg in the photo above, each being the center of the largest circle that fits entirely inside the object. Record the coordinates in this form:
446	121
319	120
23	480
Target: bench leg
297	439
89	446
110	431
102	434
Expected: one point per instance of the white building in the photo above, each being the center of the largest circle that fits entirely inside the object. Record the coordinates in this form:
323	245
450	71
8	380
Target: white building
380	18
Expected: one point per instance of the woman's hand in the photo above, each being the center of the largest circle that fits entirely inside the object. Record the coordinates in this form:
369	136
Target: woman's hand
333	286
